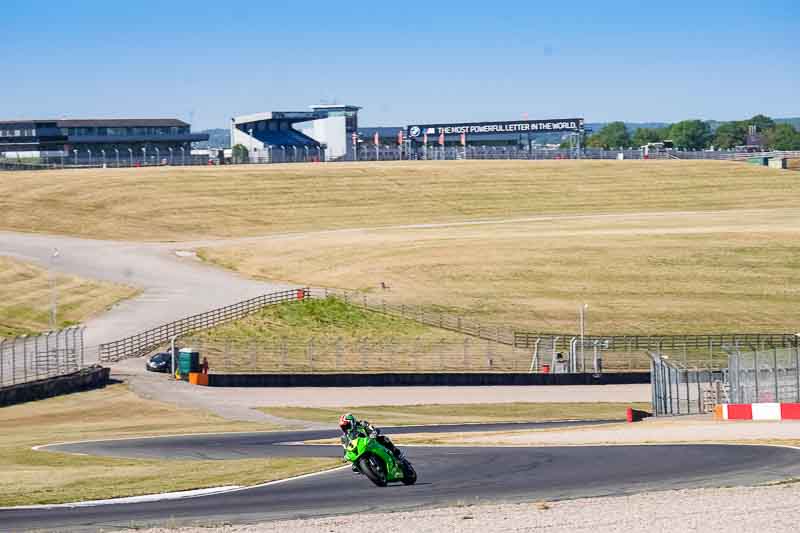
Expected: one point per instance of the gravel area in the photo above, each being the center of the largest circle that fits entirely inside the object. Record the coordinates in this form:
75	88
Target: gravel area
742	509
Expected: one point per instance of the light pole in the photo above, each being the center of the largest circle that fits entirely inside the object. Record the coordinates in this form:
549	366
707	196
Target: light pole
116	151
250	131
144	155
170	155
582	315
103	153
183	155
88	151
53	293
158	155
75	153
172	354
130	151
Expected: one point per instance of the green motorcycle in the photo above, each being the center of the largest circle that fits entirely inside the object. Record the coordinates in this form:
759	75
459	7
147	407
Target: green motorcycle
373	460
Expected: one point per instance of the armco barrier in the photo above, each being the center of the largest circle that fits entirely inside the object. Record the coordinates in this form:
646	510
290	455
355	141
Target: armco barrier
422	379
88	378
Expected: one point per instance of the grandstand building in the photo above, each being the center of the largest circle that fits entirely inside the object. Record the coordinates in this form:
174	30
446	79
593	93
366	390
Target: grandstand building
324	133
92	139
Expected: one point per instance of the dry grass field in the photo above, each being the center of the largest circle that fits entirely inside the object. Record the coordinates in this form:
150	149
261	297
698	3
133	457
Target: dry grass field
25	297
730	271
651	246
171	203
32	477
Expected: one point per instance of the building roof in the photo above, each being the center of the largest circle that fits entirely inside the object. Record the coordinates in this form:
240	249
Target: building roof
102	122
290	116
120	122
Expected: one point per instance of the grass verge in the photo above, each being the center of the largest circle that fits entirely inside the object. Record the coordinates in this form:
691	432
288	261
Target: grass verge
326	336
408	415
329	318
37	477
25	298
724	272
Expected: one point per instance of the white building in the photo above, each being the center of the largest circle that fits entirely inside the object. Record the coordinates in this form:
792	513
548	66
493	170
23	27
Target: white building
325	134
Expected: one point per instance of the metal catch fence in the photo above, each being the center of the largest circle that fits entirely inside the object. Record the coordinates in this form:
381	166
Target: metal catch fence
764	370
147	341
766	374
33	357
333	355
703	351
679	390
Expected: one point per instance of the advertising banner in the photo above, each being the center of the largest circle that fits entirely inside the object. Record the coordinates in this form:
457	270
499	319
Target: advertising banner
513	126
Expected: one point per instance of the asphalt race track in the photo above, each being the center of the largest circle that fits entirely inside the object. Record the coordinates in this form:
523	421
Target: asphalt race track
447	475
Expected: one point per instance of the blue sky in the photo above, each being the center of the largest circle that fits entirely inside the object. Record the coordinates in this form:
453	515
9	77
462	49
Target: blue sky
404	62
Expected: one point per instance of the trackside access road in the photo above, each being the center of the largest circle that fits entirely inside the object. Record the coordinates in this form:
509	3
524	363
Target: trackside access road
448	475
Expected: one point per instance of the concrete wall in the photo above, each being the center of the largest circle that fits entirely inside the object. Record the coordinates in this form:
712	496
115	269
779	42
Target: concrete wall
432	379
89	378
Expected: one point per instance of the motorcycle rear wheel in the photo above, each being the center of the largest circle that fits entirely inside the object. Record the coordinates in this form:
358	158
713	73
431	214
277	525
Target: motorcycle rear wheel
371	467
409	474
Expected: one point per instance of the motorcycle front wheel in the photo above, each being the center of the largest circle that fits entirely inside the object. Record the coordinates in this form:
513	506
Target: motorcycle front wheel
372	467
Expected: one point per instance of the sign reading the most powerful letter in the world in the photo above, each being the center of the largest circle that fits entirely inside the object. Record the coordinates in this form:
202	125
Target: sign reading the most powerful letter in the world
514	126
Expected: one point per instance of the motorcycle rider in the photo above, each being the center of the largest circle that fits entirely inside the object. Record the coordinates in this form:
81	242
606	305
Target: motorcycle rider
352	428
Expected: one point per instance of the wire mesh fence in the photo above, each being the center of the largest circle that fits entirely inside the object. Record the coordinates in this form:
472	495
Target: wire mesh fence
764	370
335	355
366	152
770	374
33	357
680	390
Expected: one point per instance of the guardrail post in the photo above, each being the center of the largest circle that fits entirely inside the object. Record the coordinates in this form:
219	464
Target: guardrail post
697	374
797	371
58	359
688	393
2	361
75	334
25	357
756	372
775	373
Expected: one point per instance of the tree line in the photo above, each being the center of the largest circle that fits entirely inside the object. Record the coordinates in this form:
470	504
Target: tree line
699	135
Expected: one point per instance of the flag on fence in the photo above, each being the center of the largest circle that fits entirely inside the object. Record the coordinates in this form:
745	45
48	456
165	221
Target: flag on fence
441	139
425	138
376	139
463	139
400	138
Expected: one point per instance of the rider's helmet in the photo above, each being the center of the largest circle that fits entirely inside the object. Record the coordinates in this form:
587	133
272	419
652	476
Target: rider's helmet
347	422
